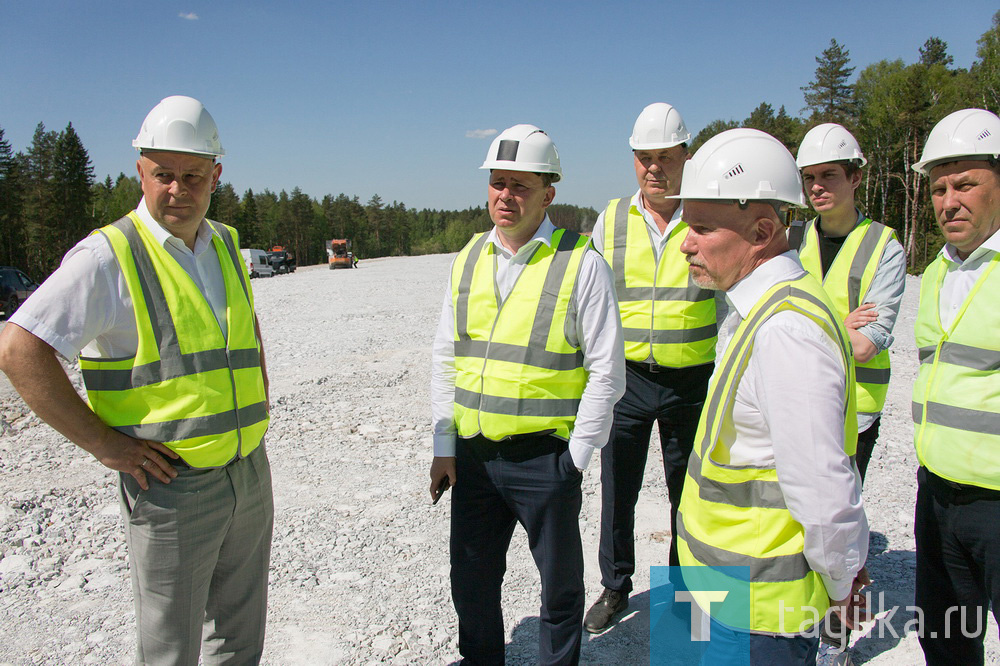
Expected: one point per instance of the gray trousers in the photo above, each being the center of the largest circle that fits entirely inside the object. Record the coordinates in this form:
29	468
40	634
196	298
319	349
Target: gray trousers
199	549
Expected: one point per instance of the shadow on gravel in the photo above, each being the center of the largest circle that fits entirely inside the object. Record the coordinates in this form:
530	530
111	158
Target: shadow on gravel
893	573
626	642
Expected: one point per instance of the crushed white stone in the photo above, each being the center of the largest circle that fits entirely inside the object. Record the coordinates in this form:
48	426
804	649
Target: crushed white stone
359	570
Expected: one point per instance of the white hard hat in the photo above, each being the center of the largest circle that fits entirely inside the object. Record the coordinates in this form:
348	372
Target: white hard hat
524	148
742	165
658	126
829	142
180	124
969	133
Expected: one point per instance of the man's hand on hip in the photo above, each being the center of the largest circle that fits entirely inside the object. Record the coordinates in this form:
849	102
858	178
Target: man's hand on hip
137	457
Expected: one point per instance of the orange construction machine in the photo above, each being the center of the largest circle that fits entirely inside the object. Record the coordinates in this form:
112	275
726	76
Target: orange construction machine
338	252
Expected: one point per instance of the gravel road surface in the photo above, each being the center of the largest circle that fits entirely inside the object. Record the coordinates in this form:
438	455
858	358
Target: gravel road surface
359	572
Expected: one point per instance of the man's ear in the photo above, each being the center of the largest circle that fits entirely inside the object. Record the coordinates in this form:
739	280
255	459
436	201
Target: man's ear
216	173
764	229
856	179
550	194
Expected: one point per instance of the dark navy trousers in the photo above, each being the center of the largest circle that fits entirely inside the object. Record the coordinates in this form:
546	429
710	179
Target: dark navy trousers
958	567
673	398
532	481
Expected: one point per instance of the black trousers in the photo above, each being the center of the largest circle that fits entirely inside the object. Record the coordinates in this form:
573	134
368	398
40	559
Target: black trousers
531	481
866	445
958	567
673	398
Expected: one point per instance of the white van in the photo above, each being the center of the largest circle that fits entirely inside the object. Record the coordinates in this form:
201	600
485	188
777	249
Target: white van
257	264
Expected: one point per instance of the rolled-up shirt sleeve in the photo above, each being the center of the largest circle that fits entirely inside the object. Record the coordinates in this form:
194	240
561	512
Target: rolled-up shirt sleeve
799	381
886	292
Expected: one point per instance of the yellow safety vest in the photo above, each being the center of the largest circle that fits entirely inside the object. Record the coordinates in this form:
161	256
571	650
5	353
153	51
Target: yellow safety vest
956	398
516	373
666	318
735	516
847	282
186	386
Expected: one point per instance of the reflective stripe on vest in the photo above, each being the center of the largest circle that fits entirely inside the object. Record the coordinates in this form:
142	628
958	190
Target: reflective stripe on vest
516	373
956	398
735	516
847	282
666	317
186	386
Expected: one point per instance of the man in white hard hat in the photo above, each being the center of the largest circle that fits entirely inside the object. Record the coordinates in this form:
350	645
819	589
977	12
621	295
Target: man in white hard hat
956	398
158	308
862	267
859	261
770	487
527	363
669	324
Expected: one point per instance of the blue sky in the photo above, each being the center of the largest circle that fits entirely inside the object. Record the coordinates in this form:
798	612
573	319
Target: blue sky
382	97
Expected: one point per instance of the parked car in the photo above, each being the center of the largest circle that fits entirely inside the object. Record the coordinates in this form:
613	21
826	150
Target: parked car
257	263
281	261
15	286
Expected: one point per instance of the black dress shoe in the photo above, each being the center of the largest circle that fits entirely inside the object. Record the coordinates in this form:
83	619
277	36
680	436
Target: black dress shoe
601	614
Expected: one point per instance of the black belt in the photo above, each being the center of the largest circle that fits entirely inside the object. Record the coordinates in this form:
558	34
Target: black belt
648	367
517	448
957	493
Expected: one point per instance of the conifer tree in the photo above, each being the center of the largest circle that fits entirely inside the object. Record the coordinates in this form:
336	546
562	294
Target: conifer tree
11	198
72	190
829	97
935	52
39	201
248	222
225	205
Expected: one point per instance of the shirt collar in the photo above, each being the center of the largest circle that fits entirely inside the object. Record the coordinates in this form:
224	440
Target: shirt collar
202	239
637	202
991	244
743	295
542	235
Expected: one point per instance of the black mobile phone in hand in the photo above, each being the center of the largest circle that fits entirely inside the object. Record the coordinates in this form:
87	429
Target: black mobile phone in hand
439	491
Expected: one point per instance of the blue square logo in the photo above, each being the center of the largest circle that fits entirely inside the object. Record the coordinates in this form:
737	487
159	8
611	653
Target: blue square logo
697	609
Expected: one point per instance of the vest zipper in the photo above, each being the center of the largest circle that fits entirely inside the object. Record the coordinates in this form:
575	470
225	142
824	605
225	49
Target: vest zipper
236	405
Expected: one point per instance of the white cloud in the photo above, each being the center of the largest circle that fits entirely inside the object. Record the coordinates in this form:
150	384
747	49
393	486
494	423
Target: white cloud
480	133
189	16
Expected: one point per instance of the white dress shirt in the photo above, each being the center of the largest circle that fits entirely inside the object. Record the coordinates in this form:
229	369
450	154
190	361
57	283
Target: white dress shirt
592	324
85	307
961	276
789	413
657	237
